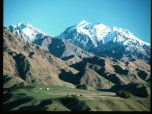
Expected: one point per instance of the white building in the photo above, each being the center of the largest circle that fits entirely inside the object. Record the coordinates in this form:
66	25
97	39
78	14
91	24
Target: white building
47	88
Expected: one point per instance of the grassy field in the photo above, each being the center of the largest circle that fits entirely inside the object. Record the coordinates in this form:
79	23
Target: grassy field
39	98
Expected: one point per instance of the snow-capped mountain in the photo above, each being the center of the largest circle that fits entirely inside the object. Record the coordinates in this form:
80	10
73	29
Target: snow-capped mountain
58	47
106	41
98	38
26	31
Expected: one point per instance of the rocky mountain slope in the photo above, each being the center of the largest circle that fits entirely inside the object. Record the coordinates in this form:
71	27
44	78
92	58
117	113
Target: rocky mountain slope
27	62
115	71
31	62
39	69
117	66
63	49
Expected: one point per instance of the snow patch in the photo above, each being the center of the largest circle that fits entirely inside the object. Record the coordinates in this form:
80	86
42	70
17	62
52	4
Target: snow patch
82	23
26	31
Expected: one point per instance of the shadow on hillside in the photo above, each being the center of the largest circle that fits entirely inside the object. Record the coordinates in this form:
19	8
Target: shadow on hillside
6	79
40	107
95	60
119	70
13	104
7	97
142	74
69	57
108	52
134	88
101	71
113	78
23	65
69	77
57	47
80	66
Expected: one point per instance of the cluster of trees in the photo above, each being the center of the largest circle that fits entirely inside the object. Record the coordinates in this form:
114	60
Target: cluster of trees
20	87
81	86
123	94
74	104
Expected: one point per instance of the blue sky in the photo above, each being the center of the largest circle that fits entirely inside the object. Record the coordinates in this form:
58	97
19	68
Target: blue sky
54	16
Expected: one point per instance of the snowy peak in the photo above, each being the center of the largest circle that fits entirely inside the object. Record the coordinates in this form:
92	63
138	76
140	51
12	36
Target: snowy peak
106	41
82	23
100	26
24	25
102	34
26	31
128	35
83	27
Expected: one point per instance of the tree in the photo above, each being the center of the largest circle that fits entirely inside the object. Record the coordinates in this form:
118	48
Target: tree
123	94
81	86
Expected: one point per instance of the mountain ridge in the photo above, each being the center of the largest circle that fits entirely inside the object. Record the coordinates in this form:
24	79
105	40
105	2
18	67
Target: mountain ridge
26	31
95	38
98	39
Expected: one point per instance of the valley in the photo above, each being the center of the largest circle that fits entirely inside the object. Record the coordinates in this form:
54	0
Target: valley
97	101
46	73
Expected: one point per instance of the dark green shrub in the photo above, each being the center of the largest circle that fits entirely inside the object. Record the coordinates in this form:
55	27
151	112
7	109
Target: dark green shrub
16	87
123	94
81	86
29	87
21	94
74	104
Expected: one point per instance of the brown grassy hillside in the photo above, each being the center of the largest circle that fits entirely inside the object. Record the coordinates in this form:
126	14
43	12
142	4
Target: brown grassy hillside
31	62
